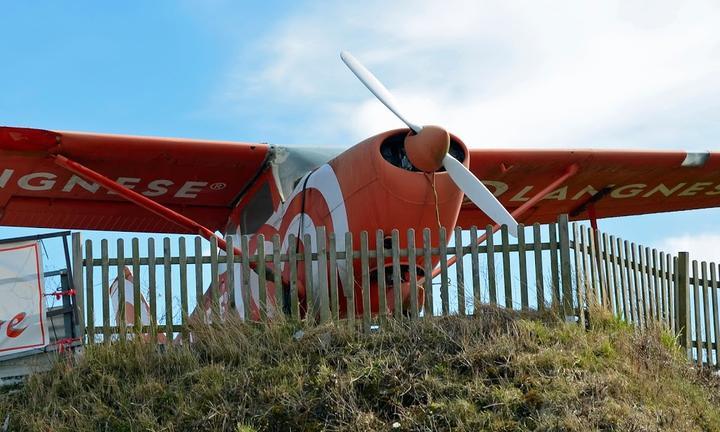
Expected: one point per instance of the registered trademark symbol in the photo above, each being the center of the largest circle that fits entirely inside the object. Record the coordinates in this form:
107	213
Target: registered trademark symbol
218	186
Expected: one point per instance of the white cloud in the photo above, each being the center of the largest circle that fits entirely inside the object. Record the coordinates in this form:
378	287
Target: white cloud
528	73
702	247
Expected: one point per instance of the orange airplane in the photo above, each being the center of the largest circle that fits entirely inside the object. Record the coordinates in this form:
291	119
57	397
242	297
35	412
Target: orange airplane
415	177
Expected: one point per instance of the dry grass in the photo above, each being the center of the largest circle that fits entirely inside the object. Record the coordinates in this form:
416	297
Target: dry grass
498	371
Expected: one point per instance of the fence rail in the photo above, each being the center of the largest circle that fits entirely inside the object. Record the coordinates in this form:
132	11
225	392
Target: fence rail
562	266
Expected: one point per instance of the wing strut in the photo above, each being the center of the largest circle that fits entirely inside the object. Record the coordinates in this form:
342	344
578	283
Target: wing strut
141	200
570	171
150	205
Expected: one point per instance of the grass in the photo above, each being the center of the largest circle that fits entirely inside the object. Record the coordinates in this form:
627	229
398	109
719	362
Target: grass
498	371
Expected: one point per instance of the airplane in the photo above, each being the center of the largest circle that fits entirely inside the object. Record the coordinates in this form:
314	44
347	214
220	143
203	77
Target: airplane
414	177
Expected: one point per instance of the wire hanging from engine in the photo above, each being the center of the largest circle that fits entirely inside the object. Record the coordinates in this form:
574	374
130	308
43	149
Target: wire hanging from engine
431	179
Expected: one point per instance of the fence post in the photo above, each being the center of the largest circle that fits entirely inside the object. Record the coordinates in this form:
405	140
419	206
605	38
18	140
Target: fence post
683	301
564	234
77	272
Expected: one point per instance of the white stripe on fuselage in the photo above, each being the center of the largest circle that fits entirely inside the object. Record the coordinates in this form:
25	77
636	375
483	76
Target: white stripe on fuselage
324	181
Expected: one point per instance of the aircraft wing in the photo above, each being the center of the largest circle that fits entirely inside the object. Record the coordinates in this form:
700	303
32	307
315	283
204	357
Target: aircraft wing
615	182
199	179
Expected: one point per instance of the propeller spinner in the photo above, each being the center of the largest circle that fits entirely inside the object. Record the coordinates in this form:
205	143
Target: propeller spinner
427	149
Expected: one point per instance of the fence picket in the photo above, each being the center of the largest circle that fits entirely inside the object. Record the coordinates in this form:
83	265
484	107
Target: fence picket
706	313
627	280
606	284
675	294
616	285
716	318
199	299
444	282
349	282
644	283
560	272
214	280
152	288
671	273
662	291
587	285
594	287
396	273
578	246
380	265
670	290
167	273
294	305
522	266
662	269
332	263
635	291
184	306
412	270
310	305
105	276
245	292
280	306
475	267
643	291
681	265
459	271
695	287
137	302
564	234
489	242
428	268
120	316
657	299
77	283
262	283
539	278
365	274
507	277
90	292
645	278
322	274
230	274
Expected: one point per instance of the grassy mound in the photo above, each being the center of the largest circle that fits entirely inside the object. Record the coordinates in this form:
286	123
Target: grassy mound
498	371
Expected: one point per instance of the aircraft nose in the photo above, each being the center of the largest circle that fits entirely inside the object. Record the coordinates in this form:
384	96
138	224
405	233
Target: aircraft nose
426	149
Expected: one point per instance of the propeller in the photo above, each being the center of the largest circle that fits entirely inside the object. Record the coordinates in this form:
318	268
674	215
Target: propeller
428	149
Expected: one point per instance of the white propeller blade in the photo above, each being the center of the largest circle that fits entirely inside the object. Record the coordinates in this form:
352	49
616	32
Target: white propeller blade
479	193
463	178
376	87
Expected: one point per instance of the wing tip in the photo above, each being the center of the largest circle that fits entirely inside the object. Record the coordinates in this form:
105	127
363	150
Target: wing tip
27	139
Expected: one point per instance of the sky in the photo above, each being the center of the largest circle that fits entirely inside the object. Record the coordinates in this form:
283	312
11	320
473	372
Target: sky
620	74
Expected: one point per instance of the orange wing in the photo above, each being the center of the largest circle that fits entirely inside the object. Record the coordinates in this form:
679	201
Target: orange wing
615	182
199	179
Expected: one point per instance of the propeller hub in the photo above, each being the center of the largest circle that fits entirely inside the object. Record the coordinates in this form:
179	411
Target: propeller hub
427	148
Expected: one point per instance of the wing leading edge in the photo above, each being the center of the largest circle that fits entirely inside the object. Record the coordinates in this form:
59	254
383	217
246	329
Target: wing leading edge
199	179
614	182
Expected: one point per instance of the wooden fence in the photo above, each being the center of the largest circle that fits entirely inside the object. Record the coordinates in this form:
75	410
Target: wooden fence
566	267
645	287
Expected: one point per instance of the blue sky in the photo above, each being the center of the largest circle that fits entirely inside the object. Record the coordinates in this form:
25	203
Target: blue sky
521	74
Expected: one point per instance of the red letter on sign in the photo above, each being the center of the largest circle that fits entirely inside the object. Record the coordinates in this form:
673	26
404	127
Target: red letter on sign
11	330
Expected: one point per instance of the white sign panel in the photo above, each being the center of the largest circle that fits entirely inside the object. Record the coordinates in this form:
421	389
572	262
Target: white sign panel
22	306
